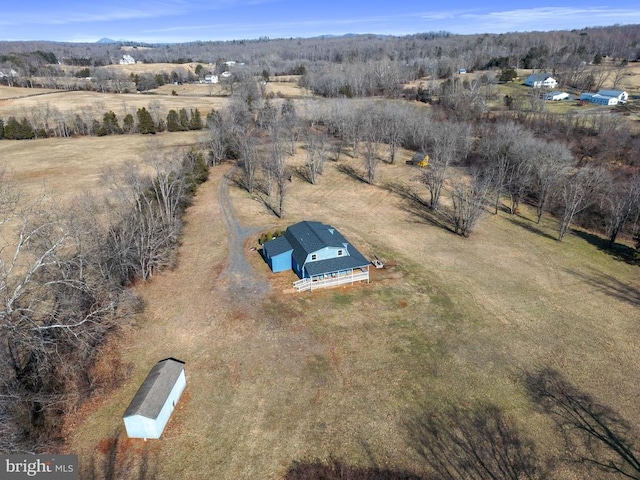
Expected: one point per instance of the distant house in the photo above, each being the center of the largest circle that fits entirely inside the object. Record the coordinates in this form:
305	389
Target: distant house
462	71
127	60
211	79
12	73
599	99
318	254
541	80
556	96
149	411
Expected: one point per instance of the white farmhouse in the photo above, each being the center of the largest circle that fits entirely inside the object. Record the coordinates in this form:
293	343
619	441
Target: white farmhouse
541	80
127	60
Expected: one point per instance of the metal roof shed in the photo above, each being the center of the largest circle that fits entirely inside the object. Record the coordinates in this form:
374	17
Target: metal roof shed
149	411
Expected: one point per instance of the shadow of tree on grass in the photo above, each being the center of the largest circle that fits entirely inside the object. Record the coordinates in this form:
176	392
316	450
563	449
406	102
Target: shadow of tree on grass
420	208
480	443
595	435
118	458
352	172
611	286
618	251
337	470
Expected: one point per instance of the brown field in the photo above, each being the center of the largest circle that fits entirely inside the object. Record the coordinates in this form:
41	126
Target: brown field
67	166
100	103
17	92
341	373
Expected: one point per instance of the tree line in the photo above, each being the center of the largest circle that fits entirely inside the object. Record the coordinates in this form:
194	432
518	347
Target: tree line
63	277
50	122
478	165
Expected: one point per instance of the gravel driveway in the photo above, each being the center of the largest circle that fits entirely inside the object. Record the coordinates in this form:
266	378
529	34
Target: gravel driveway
242	279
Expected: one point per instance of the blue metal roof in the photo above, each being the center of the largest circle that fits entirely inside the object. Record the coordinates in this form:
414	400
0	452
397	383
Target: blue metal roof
610	93
276	246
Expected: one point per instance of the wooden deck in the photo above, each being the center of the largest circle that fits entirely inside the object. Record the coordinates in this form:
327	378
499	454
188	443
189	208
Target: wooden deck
308	284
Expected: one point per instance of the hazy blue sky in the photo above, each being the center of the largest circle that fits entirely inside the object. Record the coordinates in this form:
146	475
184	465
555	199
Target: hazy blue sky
187	20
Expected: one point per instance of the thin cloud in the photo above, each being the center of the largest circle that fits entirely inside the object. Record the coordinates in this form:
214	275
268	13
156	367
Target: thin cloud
544	18
114	12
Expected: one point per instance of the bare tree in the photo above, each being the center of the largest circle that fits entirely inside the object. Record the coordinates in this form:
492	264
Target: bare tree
499	148
549	162
316	153
216	139
621	203
577	192
56	305
449	142
468	197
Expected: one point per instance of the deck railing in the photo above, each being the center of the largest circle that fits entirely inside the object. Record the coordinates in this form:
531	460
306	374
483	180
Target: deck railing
308	284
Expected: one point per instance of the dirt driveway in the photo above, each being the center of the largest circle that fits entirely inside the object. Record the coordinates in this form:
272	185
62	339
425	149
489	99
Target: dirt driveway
241	278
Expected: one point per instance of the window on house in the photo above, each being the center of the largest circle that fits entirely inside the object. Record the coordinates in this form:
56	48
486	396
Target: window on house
314	257
339	253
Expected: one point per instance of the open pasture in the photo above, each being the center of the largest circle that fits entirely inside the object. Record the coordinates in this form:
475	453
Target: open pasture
100	103
343	373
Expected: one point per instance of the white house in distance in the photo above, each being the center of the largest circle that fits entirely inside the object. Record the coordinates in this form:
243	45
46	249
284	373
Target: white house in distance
149	411
556	96
541	80
211	79
605	97
127	60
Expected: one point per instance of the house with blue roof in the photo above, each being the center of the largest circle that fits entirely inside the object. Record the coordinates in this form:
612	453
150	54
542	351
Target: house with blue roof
621	95
318	253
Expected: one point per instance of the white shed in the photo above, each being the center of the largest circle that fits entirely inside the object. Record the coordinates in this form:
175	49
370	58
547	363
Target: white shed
556	96
149	411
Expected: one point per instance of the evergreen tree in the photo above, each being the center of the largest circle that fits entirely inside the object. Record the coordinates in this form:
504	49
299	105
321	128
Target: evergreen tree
173	121
12	129
184	118
145	122
128	124
110	123
1	129
195	123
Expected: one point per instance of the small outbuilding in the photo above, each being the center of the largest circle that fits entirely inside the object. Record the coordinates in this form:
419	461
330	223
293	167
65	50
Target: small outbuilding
556	96
151	407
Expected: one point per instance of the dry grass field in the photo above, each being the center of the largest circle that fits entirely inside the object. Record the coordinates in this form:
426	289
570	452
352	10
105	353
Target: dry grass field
100	103
65	167
341	373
